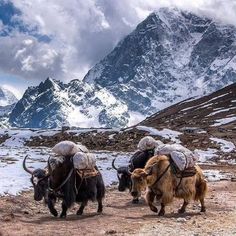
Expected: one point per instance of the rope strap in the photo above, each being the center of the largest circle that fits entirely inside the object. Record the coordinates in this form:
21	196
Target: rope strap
159	178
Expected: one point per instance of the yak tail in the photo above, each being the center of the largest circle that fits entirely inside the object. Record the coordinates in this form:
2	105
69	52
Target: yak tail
201	187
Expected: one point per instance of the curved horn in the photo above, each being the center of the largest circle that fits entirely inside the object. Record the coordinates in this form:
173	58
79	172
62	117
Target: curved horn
129	172
113	164
24	166
49	166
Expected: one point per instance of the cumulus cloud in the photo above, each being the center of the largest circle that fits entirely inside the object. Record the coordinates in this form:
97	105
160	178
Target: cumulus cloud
82	32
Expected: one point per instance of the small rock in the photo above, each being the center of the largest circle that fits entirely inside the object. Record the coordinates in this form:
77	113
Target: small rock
112	231
233	179
8	217
181	220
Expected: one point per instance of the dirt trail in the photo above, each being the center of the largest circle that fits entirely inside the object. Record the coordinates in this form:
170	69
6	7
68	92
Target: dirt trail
22	216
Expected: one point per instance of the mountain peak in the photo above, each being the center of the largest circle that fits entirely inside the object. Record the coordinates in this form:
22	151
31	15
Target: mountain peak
7	97
170	56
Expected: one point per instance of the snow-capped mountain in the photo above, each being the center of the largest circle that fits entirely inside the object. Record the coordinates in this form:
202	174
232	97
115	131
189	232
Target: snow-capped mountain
54	104
7	97
170	56
7	103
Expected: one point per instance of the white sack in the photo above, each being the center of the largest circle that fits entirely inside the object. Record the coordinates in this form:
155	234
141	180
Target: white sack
148	143
81	148
179	159
83	160
68	148
177	153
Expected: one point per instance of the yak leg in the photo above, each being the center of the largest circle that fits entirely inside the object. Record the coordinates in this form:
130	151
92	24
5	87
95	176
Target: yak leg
203	208
100	206
183	208
64	209
162	210
51	204
150	199
82	206
135	200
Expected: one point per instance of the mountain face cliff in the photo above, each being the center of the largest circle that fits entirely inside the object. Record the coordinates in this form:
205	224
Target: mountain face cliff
170	56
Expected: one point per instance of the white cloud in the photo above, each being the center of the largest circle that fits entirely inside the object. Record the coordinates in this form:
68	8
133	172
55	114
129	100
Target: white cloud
14	90
83	32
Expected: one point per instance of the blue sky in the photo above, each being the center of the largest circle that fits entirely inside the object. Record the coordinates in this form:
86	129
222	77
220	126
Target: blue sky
64	39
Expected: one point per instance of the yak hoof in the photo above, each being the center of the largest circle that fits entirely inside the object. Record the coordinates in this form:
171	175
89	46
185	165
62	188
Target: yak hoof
79	213
203	209
135	201
63	215
161	213
154	209
99	210
54	213
181	211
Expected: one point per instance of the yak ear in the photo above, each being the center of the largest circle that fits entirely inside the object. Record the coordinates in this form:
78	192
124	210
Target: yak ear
145	174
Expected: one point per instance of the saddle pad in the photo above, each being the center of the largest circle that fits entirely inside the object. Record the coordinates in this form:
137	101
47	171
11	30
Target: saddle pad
87	173
189	172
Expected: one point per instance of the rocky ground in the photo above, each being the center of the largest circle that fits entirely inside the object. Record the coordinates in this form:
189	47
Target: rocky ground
127	140
22	216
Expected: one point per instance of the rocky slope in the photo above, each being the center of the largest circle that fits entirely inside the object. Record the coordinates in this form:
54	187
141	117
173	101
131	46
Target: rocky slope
214	112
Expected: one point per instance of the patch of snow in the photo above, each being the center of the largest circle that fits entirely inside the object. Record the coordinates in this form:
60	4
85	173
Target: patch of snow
218	111
17	138
14	179
224	121
215	175
207	155
135	118
225	146
165	133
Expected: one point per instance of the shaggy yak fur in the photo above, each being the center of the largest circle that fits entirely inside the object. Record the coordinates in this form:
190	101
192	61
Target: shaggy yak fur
76	188
168	186
138	160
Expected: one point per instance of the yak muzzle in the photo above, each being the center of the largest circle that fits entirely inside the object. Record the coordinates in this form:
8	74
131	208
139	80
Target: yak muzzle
134	193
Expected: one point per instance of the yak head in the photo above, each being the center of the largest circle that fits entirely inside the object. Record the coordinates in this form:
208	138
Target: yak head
139	181
123	175
39	179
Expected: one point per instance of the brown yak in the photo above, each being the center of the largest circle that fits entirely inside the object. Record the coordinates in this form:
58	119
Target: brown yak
163	184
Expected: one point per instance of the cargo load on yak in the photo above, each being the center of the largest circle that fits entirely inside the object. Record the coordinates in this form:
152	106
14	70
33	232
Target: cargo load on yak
148	143
68	148
83	161
181	156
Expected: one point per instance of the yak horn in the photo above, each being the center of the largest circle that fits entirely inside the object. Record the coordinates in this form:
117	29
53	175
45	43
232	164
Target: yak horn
24	166
49	166
129	172
113	164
